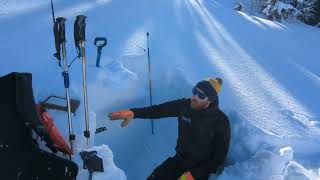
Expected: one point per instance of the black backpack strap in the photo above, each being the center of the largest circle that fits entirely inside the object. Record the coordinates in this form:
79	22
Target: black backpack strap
26	105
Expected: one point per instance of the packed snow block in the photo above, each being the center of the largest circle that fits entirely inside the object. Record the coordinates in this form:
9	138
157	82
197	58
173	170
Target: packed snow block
111	171
246	139
263	165
296	171
20	155
287	154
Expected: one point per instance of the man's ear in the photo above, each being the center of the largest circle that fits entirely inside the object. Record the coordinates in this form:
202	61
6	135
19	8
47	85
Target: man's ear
208	104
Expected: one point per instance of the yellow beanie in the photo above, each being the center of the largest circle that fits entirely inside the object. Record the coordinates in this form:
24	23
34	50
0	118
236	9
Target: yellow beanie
216	83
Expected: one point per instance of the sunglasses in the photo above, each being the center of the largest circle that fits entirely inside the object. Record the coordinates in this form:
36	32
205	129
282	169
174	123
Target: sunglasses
200	95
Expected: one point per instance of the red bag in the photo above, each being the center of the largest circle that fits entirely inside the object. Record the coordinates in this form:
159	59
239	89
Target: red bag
53	131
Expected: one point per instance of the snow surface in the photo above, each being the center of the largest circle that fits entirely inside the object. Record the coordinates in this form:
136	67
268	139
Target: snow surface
270	71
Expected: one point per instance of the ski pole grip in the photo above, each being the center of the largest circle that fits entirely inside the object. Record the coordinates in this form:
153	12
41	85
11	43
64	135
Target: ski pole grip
80	27
61	29
66	79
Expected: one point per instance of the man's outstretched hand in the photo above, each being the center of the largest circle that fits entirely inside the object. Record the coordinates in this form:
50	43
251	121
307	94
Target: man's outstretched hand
126	115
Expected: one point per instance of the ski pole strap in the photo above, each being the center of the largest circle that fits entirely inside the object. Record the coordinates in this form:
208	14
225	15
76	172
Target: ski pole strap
79	31
100	42
59	35
77	57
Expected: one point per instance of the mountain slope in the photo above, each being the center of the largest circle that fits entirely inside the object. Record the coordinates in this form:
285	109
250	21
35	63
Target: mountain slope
270	73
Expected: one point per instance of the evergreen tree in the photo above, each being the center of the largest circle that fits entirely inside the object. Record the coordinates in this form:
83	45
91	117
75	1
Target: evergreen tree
316	19
307	11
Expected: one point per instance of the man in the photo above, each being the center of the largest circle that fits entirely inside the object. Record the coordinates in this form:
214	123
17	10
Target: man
203	132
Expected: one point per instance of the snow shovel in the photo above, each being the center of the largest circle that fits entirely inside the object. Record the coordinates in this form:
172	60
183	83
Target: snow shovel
60	103
100	42
91	162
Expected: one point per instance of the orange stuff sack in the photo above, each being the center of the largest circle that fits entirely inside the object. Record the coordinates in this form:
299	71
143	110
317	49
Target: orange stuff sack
58	140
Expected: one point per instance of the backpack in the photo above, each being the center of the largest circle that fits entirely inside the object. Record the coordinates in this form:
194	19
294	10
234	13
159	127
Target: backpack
20	156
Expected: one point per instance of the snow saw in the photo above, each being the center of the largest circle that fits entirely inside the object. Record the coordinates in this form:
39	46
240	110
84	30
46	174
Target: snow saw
60	103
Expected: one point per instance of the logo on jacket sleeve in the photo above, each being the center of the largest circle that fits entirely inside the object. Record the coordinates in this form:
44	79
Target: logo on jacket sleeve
186	119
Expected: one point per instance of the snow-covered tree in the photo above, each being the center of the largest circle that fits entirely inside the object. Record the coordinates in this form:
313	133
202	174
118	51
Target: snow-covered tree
304	10
316	19
278	10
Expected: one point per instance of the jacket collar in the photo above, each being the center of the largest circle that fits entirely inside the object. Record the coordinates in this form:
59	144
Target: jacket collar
211	109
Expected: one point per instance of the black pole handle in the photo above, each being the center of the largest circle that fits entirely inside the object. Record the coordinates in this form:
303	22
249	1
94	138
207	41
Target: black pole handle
61	29
79	28
59	36
79	32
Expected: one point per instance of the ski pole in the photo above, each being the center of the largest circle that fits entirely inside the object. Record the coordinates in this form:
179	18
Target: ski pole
52	11
57	36
100	42
79	39
59	32
150	81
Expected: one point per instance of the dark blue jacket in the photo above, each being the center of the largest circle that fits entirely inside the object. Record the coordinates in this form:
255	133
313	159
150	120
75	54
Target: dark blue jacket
203	136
